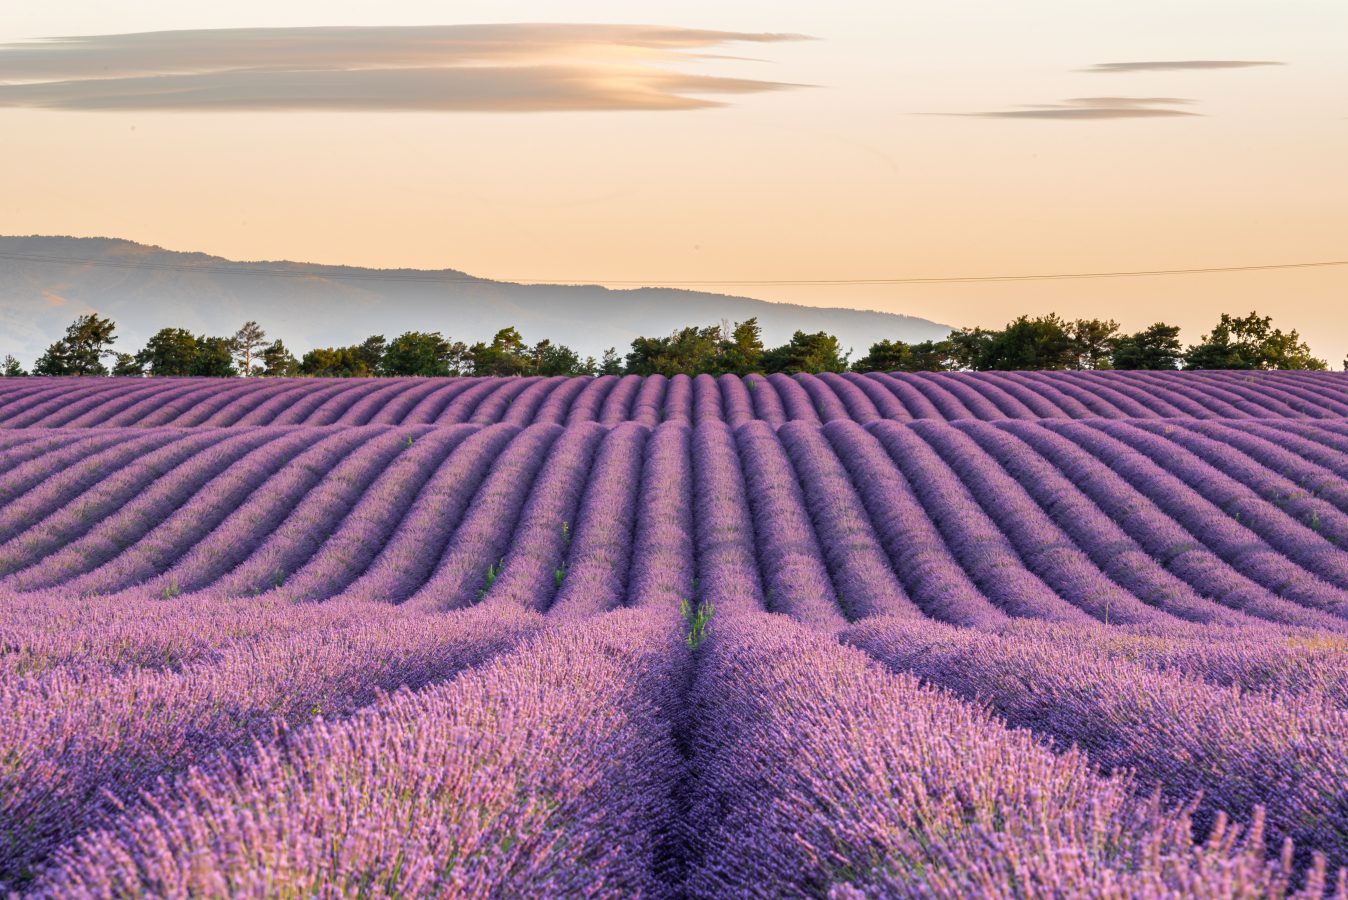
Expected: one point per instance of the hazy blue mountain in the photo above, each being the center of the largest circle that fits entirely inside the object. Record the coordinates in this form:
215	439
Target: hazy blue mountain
146	288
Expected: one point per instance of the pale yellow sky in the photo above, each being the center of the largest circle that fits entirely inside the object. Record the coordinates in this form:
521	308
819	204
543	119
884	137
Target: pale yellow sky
859	176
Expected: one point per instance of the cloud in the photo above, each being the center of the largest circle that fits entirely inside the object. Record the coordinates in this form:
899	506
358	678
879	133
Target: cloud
1169	65
1093	108
508	68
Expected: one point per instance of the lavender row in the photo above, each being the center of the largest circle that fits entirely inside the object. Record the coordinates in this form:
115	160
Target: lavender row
1067	494
350	544
664	554
409	555
975	540
545	774
817	772
596	551
1263	660
207	554
287	548
472	559
917	550
1141	510
79	744
91	477
534	565
728	573
363	511
1251	495
811	769
866	584
1178	484
88	532
1237	751
1042	544
50	630
123	562
796	581
114	402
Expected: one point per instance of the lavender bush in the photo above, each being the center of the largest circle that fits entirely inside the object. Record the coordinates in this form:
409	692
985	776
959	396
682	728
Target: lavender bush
1236	751
819	773
540	775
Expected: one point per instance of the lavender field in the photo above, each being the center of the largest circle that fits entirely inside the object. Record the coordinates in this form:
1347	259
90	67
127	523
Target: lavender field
1012	635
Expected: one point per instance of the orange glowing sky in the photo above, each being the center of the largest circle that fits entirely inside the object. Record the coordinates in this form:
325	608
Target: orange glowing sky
901	139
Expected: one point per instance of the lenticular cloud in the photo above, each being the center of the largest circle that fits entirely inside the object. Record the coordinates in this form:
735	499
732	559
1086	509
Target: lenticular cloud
493	68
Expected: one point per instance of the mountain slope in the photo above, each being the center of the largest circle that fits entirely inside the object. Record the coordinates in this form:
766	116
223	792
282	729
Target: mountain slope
146	288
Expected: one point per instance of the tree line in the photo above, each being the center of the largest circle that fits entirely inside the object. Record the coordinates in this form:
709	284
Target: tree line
1050	342
1026	343
88	349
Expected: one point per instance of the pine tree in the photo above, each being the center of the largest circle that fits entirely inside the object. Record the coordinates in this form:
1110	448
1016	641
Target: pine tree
247	343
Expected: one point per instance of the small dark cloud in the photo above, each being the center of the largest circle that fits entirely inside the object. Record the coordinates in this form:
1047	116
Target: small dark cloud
1073	113
1093	108
507	68
1170	65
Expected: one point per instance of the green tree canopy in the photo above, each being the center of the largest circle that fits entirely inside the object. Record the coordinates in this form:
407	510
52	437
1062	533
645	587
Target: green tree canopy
214	357
1154	347
1027	342
10	367
885	356
247	343
1093	342
505	355
425	353
334	362
356	361
176	351
371	352
694	350
968	346
898	356
611	363
741	350
814	352
87	340
1250	342
169	351
547	358
52	361
930	356
127	364
277	361
1044	342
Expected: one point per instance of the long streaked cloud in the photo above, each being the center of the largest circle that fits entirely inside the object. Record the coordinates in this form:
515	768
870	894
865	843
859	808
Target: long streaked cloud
508	68
1171	65
1094	108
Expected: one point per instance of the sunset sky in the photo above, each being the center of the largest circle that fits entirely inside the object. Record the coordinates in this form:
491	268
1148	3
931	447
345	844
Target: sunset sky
704	141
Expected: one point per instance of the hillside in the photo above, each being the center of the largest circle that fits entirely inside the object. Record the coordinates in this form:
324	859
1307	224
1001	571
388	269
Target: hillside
145	288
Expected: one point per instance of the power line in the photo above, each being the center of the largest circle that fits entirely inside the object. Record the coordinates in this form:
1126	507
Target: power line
447	277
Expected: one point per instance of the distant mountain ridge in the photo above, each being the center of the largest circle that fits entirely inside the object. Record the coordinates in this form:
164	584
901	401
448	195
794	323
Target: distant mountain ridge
145	288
